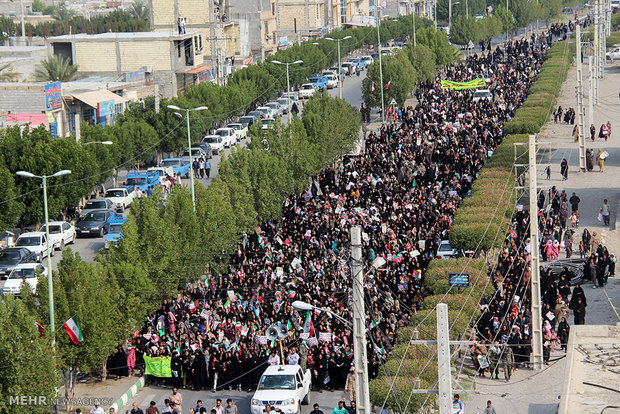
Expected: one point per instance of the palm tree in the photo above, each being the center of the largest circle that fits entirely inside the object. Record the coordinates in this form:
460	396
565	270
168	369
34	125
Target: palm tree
55	68
6	75
139	10
62	13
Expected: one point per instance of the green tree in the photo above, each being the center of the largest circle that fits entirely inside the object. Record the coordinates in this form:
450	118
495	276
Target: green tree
423	61
7	28
87	291
437	41
27	360
12	207
55	68
398	72
62	13
139	10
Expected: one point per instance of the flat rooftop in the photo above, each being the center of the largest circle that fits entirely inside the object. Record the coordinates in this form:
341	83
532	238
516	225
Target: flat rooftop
113	36
593	357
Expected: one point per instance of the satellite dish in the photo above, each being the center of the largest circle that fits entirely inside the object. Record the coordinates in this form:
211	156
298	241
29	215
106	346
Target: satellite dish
272	332
282	331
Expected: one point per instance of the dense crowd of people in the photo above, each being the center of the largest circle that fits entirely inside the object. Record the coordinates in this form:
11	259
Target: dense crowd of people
403	190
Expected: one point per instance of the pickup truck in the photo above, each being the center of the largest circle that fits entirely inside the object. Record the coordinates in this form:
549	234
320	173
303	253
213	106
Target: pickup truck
179	166
122	197
115	228
613	54
283	387
319	81
142	180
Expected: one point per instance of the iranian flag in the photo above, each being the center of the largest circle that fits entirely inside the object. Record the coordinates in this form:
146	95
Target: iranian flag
73	330
387	85
372	87
308	325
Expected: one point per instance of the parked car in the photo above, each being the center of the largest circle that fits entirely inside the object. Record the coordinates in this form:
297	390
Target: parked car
319	82
29	271
95	222
240	130
368	59
178	165
294	96
284	103
142	180
613	54
276	109
446	251
306	90
285	387
114	231
35	242
256	114
332	81
97	204
247	120
197	153
347	68
61	234
358	62
228	135
121	197
206	147
216	142
267	123
13	256
163	172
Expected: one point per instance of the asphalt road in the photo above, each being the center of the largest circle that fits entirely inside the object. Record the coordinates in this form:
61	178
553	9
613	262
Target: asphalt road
326	400
89	247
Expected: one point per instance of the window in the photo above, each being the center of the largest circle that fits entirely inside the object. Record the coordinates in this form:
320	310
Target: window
118	108
343	11
273	9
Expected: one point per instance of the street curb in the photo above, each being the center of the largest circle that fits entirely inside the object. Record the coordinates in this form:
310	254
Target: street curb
124	399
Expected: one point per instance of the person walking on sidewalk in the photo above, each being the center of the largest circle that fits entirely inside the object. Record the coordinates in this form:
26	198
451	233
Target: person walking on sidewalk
574	201
592	132
177	399
589	161
605	212
600	160
564	169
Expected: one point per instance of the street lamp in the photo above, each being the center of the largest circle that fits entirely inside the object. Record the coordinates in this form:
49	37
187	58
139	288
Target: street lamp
412	7
450	14
288	81
98	142
378	19
340	80
50	285
189	146
358	325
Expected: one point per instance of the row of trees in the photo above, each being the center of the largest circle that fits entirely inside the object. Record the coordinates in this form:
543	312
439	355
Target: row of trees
165	246
408	67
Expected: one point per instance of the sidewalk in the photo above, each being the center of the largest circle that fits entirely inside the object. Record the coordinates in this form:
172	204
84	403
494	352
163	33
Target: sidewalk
531	392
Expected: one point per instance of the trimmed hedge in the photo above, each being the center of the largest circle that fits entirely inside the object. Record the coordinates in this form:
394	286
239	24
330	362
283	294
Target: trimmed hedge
489	190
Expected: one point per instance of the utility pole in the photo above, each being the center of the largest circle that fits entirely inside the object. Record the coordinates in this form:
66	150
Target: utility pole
580	109
596	50
591	95
23	27
378	18
449	16
537	343
413	13
359	324
443	360
603	33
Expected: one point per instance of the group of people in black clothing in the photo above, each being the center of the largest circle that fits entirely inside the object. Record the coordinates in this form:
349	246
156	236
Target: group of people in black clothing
403	190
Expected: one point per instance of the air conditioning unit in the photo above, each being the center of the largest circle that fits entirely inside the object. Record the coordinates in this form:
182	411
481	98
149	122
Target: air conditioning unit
148	69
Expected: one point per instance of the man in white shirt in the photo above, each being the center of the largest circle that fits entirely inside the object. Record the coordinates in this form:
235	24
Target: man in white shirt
292	358
97	409
219	408
274	359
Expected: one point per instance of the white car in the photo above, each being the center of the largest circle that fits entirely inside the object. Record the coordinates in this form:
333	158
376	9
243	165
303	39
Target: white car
240	130
292	95
614	54
121	197
284	103
276	108
228	135
163	172
446	251
267	123
332	81
283	387
61	234
368	59
482	94
36	243
30	271
306	90
216	142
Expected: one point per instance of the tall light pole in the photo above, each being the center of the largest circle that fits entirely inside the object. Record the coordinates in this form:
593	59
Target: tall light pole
23	26
358	326
340	80
378	18
412	6
50	285
288	81
189	146
450	15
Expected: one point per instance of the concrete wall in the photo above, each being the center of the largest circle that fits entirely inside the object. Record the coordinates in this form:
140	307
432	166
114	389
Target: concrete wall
19	98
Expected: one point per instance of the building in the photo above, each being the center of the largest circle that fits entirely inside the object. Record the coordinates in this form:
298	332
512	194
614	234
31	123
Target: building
168	59
210	19
591	372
